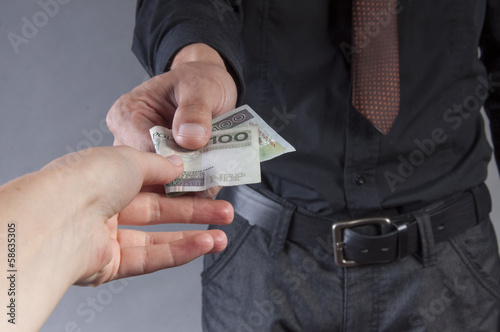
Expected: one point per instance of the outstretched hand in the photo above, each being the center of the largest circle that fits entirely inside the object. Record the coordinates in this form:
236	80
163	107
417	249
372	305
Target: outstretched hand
66	218
116	175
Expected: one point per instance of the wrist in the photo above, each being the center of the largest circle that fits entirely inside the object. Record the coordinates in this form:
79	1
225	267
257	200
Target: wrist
198	53
46	251
55	197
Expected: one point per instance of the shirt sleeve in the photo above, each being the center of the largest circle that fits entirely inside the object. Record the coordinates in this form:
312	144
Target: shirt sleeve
163	27
490	55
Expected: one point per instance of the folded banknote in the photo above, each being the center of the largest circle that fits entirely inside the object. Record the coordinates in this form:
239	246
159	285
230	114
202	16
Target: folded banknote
240	141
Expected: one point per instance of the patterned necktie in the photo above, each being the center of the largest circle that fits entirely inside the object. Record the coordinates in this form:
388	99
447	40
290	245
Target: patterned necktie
376	61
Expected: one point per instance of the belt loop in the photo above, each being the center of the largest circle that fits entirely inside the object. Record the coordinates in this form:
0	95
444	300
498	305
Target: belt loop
427	238
482	200
403	242
281	229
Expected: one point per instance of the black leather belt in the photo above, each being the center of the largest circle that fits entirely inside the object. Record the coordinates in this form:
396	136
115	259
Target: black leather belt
378	239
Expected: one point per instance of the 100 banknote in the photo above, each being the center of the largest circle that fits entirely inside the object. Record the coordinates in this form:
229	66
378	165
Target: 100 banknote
240	141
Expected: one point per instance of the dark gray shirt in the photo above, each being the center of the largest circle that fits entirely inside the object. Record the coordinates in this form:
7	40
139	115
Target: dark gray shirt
292	64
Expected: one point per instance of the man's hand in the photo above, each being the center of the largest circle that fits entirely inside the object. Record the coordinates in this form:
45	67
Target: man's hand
186	99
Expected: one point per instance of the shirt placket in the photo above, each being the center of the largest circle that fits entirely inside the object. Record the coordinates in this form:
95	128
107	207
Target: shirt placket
361	158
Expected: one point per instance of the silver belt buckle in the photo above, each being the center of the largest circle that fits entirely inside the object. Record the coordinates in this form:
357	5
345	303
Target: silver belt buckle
338	238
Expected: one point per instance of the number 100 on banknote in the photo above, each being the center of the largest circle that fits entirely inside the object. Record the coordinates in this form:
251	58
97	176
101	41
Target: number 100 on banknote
240	141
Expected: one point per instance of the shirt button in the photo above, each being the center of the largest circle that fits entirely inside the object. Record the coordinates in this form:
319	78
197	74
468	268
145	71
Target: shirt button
360	179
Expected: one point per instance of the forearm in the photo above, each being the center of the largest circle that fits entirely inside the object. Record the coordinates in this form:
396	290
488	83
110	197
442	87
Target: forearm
44	254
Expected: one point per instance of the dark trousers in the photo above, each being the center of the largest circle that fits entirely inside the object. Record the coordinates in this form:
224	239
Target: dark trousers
454	287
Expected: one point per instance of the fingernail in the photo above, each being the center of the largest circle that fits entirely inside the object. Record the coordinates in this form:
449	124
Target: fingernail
175	159
192	130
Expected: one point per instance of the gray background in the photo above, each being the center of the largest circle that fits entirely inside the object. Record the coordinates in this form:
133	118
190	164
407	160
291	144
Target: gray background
54	93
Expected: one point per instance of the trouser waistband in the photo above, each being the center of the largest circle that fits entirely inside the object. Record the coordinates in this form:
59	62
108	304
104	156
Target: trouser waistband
377	239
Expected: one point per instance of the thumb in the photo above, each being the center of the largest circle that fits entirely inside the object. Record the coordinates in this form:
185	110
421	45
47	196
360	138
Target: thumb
192	125
202	92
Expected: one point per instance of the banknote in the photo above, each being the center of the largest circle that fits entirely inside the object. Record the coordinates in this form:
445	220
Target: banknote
271	144
230	158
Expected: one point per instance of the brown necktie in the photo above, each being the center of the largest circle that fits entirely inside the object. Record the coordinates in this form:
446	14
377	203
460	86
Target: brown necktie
376	61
